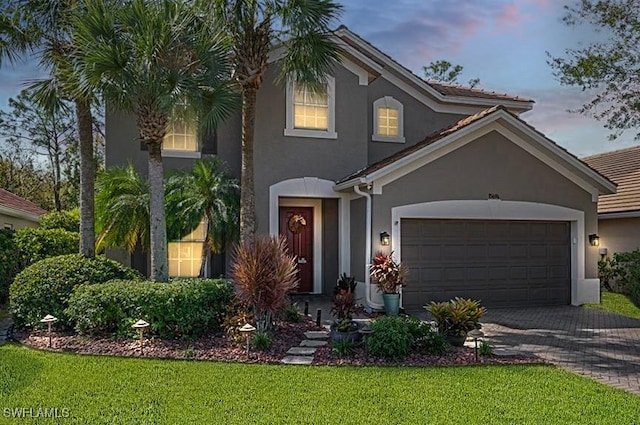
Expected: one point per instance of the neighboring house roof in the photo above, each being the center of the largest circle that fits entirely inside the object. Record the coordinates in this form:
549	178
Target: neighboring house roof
378	171
442	92
623	167
16	206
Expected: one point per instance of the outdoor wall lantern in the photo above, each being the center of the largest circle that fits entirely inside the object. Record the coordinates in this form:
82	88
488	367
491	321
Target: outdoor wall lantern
141	325
385	239
594	240
49	320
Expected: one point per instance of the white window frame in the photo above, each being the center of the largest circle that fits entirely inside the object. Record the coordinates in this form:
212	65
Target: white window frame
388	102
177	153
330	132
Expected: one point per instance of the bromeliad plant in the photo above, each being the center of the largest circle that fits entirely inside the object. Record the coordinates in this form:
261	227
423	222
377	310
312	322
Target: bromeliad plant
458	316
344	303
388	273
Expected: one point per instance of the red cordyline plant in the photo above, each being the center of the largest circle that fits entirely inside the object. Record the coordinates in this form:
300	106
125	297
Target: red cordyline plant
388	273
263	273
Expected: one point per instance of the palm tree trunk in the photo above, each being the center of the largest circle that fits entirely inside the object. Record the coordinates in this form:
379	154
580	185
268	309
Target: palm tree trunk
87	179
158	230
247	190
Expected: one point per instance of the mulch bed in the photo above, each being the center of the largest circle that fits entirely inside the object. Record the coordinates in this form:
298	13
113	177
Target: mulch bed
223	347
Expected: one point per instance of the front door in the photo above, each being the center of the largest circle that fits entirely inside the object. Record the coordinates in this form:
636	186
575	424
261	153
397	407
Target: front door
296	226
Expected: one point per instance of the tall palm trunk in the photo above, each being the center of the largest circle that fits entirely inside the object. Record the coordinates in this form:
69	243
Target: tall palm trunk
158	229
87	179
247	190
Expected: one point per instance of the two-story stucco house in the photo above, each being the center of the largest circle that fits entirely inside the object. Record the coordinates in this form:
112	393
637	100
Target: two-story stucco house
475	201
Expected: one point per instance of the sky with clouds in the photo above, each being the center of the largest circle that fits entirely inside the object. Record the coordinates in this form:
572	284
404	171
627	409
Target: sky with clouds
502	42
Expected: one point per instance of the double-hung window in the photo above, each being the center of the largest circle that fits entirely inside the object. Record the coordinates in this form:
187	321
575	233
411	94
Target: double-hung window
311	113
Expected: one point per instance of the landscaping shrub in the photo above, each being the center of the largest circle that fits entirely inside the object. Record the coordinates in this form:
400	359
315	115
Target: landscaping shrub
263	272
35	244
8	262
261	341
67	220
458	316
343	348
182	308
45	287
625	272
391	337
425	339
290	312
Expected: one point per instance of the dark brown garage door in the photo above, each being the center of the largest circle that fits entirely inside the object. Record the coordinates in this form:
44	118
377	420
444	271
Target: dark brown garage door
501	263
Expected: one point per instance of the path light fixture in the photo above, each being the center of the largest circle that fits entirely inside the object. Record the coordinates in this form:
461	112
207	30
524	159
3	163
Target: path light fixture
365	331
594	240
49	320
247	330
385	239
475	334
141	325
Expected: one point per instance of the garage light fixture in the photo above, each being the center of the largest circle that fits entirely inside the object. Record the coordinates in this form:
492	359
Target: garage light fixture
385	239
594	240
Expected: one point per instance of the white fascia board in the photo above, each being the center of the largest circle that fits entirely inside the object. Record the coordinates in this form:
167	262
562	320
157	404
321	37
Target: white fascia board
388	62
610	186
19	214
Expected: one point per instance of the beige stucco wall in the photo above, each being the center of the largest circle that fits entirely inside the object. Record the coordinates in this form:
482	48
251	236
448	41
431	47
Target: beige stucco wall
620	234
16	222
490	164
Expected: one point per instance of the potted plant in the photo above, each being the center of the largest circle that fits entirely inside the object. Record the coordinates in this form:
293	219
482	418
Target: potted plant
389	276
343	309
456	318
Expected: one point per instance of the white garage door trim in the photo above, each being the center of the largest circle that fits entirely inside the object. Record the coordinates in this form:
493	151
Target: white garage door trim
582	290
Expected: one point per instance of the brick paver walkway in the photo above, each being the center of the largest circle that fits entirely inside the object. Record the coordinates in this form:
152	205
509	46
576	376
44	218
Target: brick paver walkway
594	343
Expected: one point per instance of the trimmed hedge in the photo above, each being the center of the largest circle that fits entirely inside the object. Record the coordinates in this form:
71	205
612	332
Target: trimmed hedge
35	244
9	264
185	308
67	220
45	287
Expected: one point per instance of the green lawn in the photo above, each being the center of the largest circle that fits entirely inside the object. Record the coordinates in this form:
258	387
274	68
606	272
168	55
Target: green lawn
616	303
140	391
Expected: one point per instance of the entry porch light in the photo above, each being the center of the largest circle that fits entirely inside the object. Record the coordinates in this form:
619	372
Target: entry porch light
594	239
385	239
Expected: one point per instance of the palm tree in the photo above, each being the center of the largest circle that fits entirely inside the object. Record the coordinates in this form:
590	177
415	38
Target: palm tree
206	193
44	27
122	209
256	26
147	57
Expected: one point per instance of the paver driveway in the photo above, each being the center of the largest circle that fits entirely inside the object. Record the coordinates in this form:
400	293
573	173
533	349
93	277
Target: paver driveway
594	343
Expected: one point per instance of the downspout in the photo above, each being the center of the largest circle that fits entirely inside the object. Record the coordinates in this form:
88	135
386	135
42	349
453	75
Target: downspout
367	255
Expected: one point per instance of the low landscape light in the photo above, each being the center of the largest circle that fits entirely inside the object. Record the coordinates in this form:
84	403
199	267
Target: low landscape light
247	329
141	325
49	320
475	334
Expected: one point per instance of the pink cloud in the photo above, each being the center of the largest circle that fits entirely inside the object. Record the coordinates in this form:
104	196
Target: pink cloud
511	14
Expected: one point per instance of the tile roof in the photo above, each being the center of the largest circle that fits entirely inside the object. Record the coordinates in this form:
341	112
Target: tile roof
444	89
434	137
456	90
623	167
9	200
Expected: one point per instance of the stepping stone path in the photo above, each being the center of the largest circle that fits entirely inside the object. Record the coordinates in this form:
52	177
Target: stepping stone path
303	354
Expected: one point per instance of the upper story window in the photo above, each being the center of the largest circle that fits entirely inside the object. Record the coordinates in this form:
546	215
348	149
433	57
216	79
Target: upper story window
182	138
388	120
311	114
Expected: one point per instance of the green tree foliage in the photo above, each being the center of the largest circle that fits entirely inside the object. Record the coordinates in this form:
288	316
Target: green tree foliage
35	244
608	67
147	57
205	193
444	71
51	136
303	29
122	209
